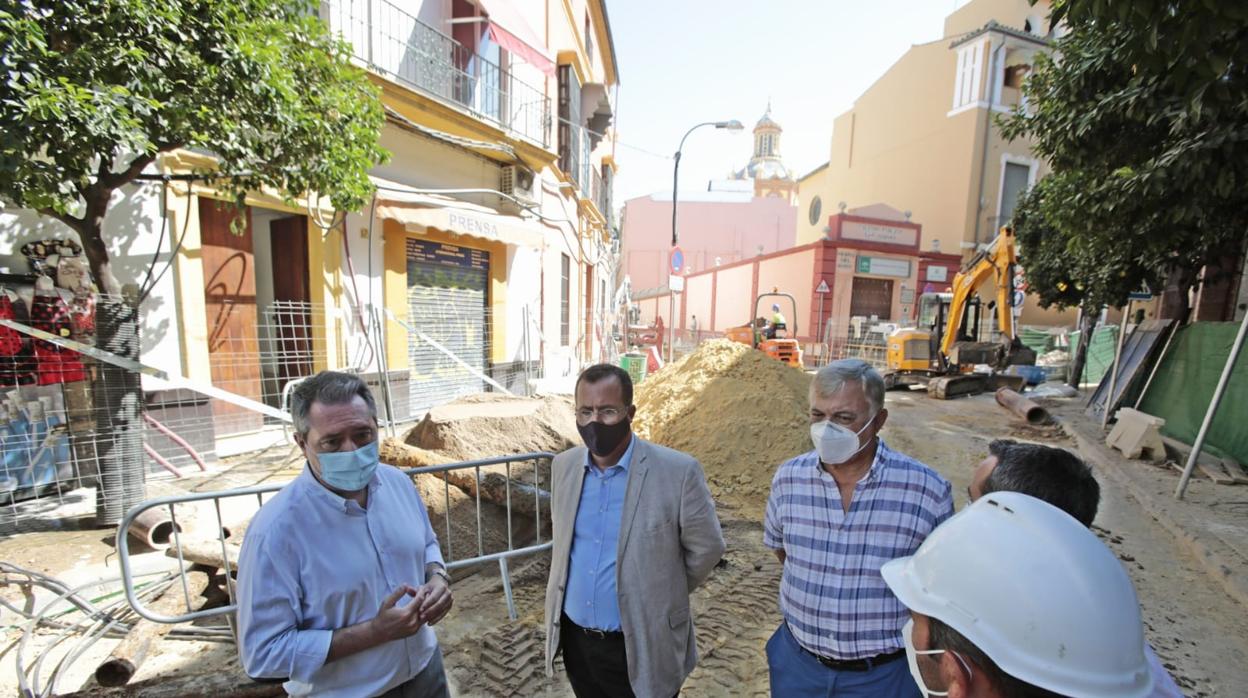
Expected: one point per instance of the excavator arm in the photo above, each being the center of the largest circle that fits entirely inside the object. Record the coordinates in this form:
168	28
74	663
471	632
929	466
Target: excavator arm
997	263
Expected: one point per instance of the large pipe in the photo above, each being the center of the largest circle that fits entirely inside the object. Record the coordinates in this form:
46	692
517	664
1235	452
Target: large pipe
154	527
1021	406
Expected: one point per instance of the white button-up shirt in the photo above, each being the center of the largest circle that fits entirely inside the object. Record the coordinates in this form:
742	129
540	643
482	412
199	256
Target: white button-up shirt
313	562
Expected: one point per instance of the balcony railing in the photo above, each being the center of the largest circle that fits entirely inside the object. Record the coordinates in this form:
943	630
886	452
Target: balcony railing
574	159
602	195
397	45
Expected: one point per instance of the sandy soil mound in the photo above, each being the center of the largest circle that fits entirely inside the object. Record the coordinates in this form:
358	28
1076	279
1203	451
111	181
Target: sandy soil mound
489	424
738	411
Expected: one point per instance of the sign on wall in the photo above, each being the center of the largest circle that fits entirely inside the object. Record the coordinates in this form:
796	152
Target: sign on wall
935	273
844	261
873	232
447	255
883	266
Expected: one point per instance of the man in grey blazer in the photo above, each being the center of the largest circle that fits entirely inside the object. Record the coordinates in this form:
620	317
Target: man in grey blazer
635	532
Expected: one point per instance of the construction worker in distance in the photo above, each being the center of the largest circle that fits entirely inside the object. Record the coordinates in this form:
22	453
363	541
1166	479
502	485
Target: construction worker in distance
1061	478
1013	597
777	322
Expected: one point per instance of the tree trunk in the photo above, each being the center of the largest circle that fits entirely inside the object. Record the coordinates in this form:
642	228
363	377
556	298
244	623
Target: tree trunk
118	410
1175	301
1087	323
118	397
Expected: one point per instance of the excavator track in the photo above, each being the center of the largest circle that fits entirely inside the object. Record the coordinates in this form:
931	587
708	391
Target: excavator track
949	387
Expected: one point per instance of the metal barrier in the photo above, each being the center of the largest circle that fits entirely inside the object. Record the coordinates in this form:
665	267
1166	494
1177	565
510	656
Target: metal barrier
215	498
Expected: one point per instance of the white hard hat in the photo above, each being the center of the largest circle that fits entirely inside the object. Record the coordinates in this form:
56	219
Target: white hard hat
1035	591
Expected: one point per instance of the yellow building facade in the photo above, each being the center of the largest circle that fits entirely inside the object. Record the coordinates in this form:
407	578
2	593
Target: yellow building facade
923	139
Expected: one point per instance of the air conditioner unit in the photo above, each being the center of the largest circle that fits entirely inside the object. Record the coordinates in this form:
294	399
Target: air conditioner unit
521	183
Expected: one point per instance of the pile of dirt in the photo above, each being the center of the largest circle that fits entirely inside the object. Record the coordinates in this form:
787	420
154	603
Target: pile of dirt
492	424
477	427
738	411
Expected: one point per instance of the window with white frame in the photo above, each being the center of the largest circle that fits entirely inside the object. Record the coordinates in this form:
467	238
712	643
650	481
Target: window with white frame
966	86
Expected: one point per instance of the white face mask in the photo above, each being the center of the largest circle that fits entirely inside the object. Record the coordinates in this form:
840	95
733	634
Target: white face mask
912	658
835	443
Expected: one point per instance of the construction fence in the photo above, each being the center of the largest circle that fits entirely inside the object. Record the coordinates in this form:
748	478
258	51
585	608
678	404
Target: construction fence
85	422
179	555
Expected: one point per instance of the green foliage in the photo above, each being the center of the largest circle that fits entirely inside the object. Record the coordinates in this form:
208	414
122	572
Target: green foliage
1143	114
1067	263
92	90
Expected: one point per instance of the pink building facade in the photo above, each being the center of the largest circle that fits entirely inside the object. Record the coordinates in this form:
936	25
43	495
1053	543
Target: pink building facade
716	228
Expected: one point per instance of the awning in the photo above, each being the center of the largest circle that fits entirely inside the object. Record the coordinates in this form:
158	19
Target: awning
413	208
509	29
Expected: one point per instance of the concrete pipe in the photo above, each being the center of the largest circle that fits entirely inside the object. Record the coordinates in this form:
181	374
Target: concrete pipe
154	528
1021	406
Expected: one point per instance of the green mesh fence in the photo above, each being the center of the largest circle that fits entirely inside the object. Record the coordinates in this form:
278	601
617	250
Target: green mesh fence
1100	352
1183	387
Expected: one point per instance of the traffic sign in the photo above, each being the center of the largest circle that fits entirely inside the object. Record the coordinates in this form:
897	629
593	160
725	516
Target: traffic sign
823	287
1144	294
677	259
676	283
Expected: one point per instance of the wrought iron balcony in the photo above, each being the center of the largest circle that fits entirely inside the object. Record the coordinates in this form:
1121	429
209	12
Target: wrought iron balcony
397	45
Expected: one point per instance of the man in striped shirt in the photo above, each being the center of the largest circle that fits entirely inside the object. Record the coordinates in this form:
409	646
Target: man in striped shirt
834	517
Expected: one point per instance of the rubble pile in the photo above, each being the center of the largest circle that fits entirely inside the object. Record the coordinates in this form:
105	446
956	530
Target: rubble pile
738	411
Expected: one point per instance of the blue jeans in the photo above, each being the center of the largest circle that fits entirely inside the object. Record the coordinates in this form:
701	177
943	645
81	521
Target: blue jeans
794	672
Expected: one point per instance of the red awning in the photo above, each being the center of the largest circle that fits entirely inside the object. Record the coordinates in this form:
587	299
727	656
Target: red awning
509	30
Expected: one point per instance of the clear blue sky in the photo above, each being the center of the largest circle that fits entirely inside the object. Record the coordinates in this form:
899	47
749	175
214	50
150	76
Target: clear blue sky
687	61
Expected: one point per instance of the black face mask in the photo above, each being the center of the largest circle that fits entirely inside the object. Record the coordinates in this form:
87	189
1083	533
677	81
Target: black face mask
601	439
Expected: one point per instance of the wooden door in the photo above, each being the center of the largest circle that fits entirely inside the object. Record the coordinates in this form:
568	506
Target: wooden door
872	297
230	305
291	313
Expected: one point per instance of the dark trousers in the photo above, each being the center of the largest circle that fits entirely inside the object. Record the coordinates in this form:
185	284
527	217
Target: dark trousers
597	666
429	683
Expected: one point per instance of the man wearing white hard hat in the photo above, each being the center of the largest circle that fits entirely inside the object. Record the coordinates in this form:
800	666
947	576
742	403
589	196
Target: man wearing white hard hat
1061	478
1013	598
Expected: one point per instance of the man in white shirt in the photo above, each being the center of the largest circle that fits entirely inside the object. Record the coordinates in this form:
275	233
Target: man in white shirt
340	576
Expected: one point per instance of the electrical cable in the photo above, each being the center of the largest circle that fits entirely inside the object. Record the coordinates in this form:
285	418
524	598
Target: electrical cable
164	223
23	684
173	254
107	621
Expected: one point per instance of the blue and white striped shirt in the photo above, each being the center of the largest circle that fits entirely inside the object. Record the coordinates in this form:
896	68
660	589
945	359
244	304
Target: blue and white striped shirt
831	594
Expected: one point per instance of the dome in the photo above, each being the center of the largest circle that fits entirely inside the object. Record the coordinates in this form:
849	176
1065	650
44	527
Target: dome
764	168
767	122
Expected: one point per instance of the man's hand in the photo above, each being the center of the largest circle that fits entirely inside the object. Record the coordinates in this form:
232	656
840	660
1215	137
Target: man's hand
436	601
393	622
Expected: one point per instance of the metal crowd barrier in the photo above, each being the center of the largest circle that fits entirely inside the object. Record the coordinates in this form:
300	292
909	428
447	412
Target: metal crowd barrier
215	498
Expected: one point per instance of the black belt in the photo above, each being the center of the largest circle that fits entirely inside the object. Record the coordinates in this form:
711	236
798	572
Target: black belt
865	664
595	632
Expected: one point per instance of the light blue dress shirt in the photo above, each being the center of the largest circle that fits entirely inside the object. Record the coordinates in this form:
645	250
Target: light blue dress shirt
590	600
313	562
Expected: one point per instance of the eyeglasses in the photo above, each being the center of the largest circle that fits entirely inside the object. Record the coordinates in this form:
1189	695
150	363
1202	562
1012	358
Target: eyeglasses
608	415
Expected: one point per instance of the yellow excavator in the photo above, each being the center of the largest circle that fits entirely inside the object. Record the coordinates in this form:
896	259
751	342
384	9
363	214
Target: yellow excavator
943	350
780	345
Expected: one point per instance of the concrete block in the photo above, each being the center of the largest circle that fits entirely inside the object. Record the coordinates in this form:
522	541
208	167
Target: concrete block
1137	433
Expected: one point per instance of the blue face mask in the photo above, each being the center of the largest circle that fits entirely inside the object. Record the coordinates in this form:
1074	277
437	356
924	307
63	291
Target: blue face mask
349	471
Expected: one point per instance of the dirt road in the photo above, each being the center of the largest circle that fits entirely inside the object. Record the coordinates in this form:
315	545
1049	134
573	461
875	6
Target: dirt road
1193	625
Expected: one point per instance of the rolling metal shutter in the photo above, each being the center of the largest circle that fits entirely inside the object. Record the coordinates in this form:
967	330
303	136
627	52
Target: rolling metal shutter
446	300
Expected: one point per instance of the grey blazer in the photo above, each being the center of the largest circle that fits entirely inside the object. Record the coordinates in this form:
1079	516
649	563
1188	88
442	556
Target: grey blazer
669	542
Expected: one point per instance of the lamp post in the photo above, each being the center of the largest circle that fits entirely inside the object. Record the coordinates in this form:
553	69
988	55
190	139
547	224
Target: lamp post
733	126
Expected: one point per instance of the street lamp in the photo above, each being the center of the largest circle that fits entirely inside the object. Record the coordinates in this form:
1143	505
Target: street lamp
734	126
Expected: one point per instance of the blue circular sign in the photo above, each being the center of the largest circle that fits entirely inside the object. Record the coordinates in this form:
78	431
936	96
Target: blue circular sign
678	260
